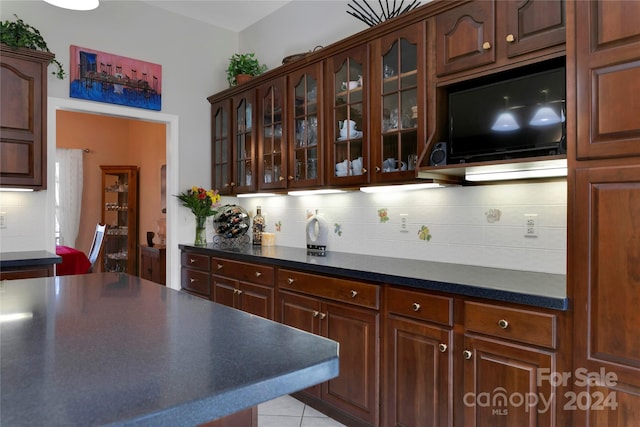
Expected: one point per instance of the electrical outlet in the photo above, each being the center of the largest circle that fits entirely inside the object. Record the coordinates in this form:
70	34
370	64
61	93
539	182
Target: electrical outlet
3	220
404	220
531	225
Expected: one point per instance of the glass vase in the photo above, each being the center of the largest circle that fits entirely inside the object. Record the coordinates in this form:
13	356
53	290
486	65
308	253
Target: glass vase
201	231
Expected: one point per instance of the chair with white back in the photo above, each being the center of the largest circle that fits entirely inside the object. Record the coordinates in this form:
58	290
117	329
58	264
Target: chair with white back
96	245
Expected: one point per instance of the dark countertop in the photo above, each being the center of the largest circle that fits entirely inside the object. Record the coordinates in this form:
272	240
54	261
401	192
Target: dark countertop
113	349
535	289
27	258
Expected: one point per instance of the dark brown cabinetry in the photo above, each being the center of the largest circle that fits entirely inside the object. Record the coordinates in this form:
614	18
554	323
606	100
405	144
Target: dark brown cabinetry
221	148
273	136
244	154
604	244
120	214
153	263
23	118
418	369
347	312
26	272
483	33
247	287
195	276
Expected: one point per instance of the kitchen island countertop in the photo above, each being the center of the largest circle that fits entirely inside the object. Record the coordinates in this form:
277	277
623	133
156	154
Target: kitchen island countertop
114	349
524	287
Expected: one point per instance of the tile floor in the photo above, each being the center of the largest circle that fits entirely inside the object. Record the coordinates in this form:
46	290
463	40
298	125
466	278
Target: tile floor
286	411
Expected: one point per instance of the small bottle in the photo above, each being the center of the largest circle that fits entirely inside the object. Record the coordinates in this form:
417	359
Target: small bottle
258	226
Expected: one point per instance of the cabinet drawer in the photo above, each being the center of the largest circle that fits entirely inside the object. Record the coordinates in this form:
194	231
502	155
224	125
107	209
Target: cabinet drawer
197	261
520	325
420	305
247	272
196	281
358	293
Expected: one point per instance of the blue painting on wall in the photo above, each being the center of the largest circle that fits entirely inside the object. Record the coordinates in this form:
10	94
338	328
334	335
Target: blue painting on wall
104	77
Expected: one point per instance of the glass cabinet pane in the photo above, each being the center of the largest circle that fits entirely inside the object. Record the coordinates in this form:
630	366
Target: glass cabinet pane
272	138
221	148
244	144
348	119
305	150
399	121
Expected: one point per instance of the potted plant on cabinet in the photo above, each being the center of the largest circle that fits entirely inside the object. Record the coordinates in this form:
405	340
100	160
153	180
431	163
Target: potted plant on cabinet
242	67
19	34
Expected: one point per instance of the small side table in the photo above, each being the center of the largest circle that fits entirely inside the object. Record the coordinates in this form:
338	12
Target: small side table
153	263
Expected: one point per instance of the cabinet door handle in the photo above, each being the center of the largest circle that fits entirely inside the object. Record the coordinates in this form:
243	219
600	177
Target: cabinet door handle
322	315
316	313
220	266
486	45
226	184
442	347
503	324
364	171
467	354
290	178
239	291
353	293
191	260
290	280
378	169
232	184
258	274
191	280
415	306
510	38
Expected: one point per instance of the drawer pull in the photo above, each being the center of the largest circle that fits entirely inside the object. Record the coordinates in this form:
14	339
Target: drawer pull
322	315
220	266
191	280
416	306
290	178
467	354
503	324
354	293
258	274
239	291
191	260
510	38
290	280
442	347
486	45
316	313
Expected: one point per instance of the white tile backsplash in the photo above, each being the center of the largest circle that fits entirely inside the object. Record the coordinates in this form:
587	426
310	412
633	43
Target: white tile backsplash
456	218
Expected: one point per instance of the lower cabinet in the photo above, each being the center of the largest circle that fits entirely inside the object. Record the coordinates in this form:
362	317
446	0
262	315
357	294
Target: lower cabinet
418	369
347	312
153	263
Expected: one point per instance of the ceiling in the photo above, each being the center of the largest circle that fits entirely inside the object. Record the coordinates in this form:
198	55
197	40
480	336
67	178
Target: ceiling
235	15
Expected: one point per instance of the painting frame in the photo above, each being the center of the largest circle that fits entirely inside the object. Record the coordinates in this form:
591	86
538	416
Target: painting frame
114	79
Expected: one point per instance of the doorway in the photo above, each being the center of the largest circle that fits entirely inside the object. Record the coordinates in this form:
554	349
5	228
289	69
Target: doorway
102	112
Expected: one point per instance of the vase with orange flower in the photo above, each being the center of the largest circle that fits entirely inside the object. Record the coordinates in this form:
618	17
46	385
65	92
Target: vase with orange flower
202	203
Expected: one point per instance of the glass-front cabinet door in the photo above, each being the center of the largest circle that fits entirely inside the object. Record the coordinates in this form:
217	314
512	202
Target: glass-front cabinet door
398	126
348	121
272	148
221	146
306	144
120	214
244	148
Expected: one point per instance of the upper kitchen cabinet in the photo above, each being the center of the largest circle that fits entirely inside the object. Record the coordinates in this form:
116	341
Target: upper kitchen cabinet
272	143
306	147
347	120
398	76
244	143
494	33
608	77
221	148
23	118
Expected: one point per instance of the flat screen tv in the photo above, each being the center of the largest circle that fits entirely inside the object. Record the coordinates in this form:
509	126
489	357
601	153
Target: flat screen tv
514	118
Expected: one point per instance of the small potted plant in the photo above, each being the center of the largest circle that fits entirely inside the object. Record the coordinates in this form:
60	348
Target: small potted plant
20	34
243	66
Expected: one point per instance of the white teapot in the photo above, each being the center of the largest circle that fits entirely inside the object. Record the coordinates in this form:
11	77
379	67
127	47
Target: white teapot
347	127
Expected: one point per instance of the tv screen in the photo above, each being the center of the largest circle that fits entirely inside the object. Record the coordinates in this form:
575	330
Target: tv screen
514	118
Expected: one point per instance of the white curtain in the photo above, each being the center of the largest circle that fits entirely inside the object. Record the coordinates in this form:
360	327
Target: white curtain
68	193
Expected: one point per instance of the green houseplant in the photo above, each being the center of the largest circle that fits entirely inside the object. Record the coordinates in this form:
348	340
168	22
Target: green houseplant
243	64
20	34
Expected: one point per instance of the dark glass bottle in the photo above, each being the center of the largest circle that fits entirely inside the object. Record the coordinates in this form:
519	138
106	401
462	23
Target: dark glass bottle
258	226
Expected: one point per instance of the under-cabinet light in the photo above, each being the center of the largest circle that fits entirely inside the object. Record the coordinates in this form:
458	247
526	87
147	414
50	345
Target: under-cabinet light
12	317
315	192
542	169
258	195
16	189
395	188
75	4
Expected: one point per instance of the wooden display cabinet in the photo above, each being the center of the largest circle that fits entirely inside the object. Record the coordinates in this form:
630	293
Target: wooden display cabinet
120	214
244	136
221	147
273	139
